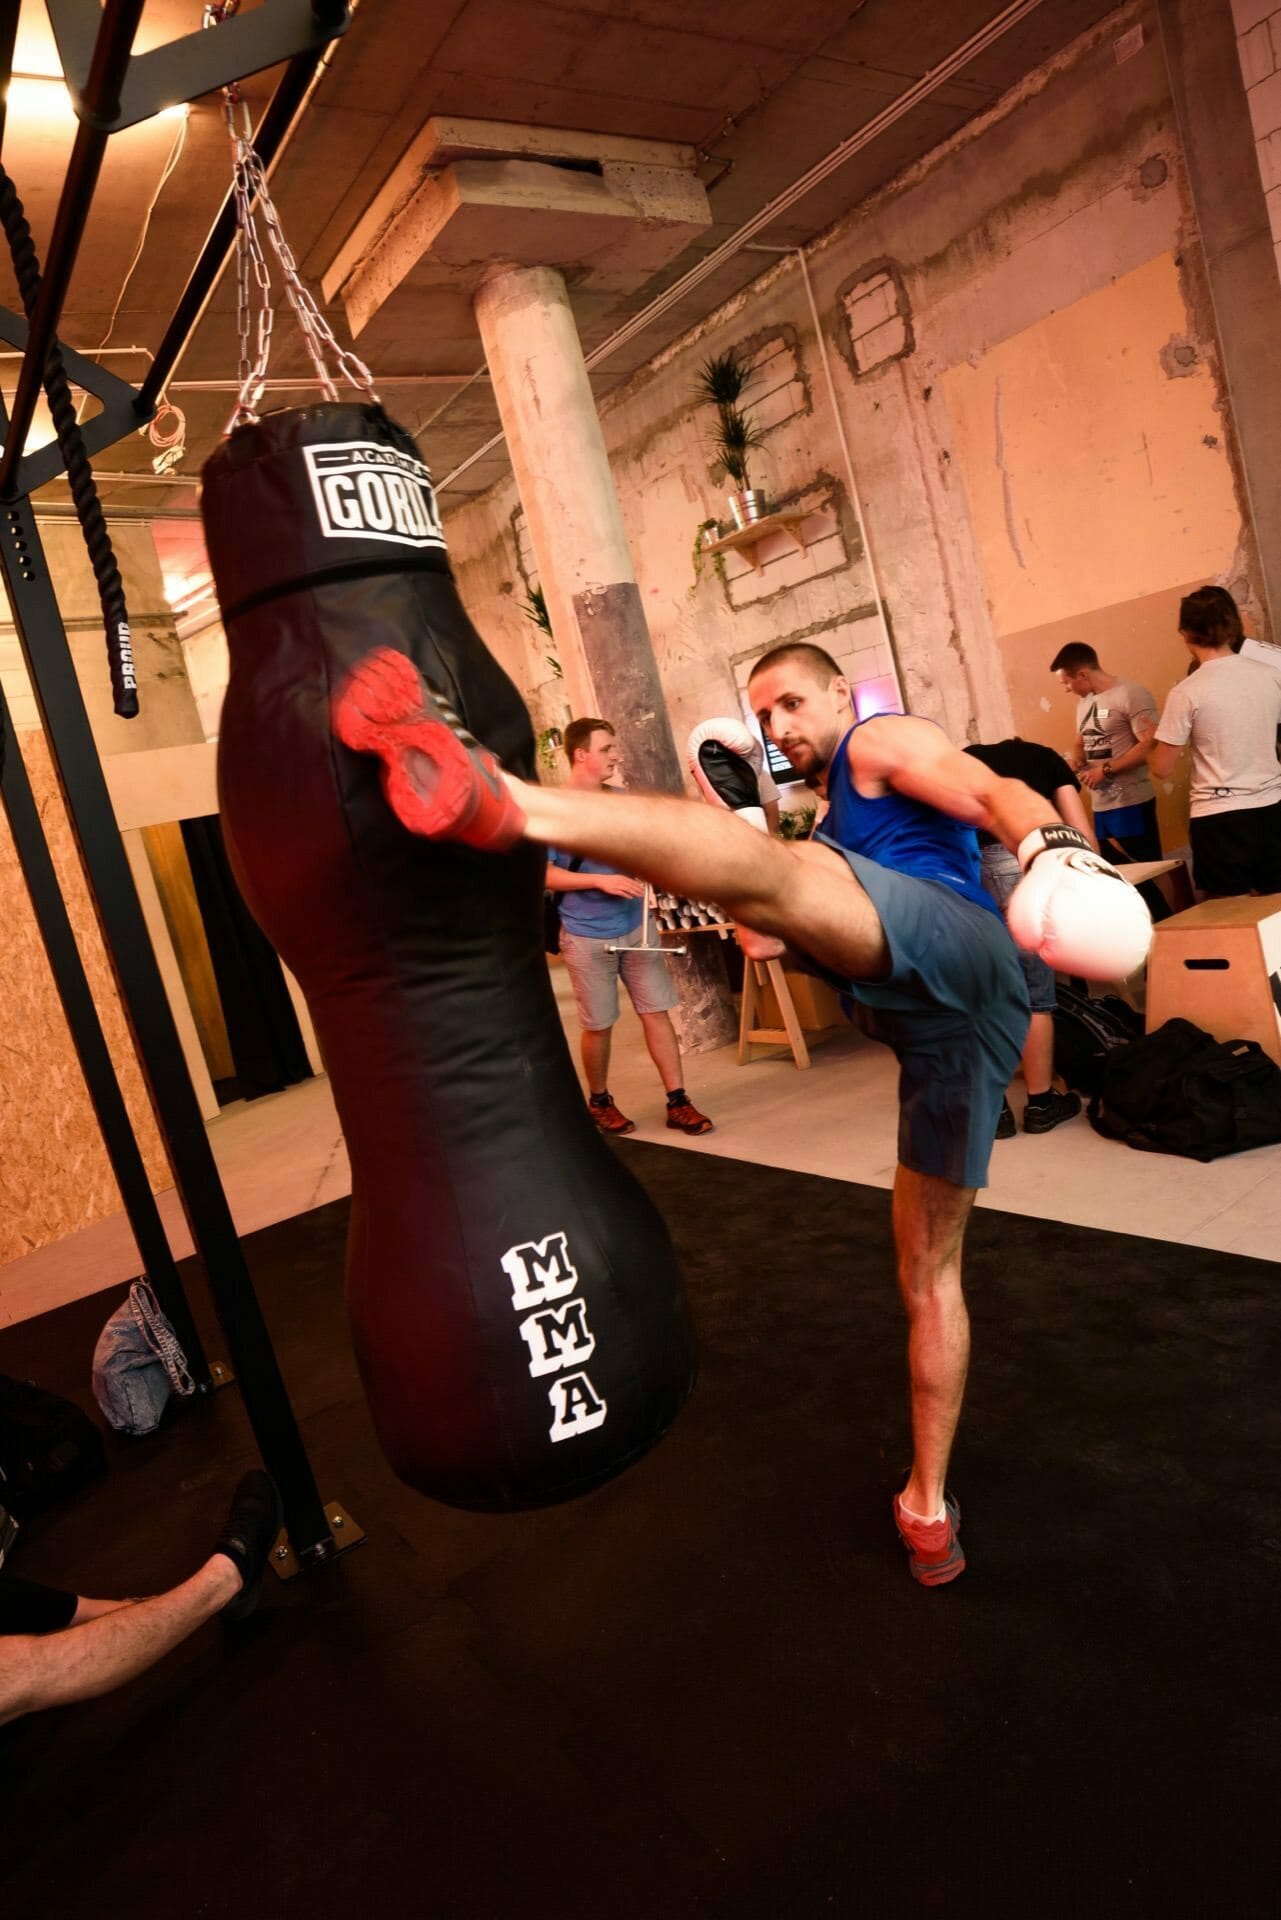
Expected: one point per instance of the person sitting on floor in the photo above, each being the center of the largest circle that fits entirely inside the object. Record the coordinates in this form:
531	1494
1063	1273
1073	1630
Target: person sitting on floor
58	1647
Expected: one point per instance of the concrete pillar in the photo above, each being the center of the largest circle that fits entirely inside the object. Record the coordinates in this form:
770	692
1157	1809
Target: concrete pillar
1213	115
602	640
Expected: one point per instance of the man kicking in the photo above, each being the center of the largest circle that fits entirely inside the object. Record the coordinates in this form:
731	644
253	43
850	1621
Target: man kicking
886	899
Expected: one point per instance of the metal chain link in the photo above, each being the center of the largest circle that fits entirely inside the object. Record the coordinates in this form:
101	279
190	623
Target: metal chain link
253	272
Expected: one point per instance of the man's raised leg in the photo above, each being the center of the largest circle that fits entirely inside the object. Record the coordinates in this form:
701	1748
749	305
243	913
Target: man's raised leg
930	1216
801	892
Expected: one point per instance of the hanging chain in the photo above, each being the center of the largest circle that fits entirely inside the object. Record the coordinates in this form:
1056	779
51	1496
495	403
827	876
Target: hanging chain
255	316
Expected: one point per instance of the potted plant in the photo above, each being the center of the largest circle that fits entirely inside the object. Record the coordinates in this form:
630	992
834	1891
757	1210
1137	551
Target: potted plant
535	609
720	384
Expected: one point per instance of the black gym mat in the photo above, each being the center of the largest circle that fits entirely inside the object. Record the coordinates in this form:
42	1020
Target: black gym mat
711	1689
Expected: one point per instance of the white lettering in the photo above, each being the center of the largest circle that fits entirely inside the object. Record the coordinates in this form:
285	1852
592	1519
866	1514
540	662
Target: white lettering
373	492
372	489
576	1406
558	1337
339	491
539	1270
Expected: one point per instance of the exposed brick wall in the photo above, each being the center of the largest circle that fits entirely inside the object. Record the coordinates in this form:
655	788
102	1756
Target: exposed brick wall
1258	24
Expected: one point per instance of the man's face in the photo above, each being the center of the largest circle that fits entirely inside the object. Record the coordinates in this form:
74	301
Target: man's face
803	718
1077	682
598	760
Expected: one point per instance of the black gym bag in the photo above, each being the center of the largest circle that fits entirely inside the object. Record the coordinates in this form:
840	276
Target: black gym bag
48	1447
1179	1090
1086	1032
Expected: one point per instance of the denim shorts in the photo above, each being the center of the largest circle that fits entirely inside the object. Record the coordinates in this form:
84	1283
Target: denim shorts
1001	874
954	1010
594	974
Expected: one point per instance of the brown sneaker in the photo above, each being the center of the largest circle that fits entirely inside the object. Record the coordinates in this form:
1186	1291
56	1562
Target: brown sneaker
610	1120
687	1119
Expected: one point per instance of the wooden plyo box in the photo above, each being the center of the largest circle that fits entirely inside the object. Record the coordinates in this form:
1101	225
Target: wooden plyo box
1219	965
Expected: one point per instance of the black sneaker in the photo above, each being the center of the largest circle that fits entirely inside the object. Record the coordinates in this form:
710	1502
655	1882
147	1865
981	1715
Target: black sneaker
1045	1114
247	1537
1005	1127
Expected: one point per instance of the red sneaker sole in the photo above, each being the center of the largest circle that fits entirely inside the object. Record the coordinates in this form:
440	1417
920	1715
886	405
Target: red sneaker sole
384	709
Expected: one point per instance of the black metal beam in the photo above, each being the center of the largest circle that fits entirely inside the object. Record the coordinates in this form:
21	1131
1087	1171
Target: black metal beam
120	416
119	23
198	62
8	41
282	110
66	724
91	1047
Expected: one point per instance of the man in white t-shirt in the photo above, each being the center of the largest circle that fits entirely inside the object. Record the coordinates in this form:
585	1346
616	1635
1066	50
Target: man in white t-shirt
1115	720
1228	711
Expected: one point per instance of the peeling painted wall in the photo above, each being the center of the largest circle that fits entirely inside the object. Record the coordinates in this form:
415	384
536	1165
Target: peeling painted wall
1051	455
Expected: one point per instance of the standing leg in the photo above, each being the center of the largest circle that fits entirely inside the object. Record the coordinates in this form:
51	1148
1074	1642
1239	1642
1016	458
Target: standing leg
665	1051
595	1045
929	1227
593	974
1038	1054
664	1048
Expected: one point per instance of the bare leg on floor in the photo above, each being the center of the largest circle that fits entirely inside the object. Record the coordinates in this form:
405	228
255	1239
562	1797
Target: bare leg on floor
51	1670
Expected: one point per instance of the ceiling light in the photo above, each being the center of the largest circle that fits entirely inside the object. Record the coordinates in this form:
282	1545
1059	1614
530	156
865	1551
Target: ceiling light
43	96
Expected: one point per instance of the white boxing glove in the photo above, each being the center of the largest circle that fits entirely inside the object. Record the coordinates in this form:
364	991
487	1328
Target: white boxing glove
1073	908
725	758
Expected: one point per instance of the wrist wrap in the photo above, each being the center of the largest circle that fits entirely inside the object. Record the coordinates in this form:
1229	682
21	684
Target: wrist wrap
1044	839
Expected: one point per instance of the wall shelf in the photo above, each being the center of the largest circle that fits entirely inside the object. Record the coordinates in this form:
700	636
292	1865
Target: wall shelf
747	539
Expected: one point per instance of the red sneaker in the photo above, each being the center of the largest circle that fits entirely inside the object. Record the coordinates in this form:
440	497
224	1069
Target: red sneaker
934	1547
687	1119
610	1120
438	780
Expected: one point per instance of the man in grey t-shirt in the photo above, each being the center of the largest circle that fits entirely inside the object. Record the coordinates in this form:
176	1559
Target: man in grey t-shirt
1228	711
1115	721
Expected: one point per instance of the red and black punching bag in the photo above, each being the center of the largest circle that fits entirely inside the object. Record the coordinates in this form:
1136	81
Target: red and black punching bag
515	1302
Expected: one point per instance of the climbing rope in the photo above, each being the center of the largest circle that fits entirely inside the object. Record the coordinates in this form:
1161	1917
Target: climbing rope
111	592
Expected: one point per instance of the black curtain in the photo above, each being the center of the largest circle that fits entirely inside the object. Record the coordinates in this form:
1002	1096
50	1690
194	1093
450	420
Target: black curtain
266	1043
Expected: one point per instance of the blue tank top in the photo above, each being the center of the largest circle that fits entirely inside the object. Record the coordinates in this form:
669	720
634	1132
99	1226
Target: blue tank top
901	833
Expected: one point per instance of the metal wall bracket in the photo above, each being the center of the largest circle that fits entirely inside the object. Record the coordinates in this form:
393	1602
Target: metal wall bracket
123	409
343	1533
199	62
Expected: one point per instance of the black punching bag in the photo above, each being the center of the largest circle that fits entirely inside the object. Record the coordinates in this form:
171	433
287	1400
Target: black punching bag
515	1301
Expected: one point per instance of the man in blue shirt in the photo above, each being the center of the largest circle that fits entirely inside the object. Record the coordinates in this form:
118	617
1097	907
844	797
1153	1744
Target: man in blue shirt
886	900
600	932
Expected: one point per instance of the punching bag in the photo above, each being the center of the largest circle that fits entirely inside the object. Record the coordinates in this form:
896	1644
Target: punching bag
515	1302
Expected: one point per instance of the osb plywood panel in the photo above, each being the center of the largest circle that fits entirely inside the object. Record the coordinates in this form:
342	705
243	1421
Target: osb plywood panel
54	1173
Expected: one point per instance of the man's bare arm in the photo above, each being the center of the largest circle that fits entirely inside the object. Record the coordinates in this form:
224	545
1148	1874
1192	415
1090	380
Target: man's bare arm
916	758
1163	758
1072	813
561	880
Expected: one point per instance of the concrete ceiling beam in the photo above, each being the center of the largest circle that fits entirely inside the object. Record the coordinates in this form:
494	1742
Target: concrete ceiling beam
470	195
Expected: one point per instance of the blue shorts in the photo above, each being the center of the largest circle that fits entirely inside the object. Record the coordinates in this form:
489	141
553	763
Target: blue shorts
954	1010
1001	874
